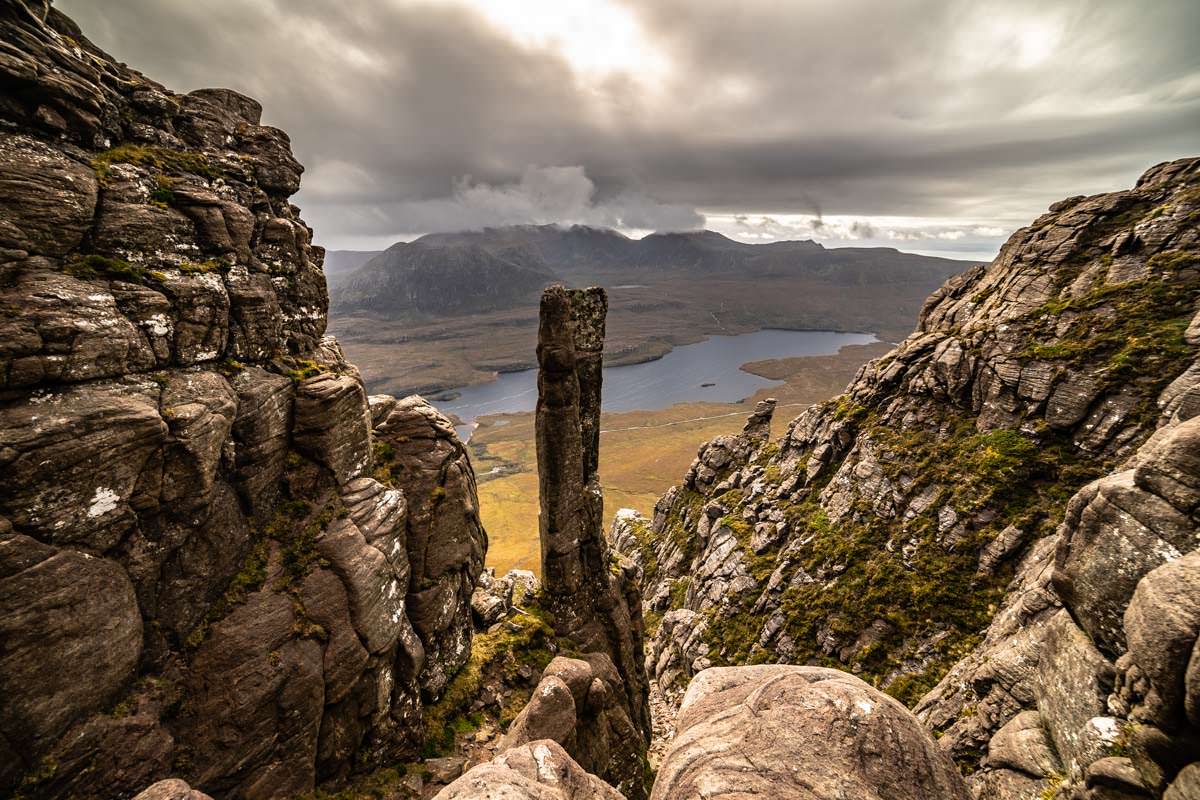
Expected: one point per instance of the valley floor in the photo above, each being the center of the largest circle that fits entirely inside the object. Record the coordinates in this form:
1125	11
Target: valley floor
642	453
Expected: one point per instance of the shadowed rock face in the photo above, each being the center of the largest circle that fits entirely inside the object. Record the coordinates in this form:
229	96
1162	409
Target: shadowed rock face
218	559
593	594
570	344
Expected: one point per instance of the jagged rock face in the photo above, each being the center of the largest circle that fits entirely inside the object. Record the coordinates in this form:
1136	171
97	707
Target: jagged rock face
1059	696
803	732
445	541
882	530
592	593
217	563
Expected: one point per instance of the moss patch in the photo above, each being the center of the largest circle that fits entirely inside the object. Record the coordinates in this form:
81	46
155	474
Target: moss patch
525	639
161	158
213	265
91	267
918	579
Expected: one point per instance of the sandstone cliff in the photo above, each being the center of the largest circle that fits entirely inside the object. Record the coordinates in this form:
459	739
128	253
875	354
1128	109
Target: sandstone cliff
889	528
219	559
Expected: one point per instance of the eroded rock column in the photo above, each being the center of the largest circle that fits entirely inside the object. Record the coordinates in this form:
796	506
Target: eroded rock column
570	346
594	594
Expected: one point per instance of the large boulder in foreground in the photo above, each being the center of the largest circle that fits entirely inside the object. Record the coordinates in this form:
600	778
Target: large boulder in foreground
800	732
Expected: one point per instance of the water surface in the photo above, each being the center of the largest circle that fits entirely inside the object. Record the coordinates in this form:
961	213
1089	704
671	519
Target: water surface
708	371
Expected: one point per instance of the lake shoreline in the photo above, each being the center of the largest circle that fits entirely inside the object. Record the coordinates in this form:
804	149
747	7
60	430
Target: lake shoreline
711	370
631	357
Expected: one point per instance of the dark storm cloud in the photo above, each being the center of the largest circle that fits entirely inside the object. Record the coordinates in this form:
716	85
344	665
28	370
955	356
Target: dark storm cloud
415	116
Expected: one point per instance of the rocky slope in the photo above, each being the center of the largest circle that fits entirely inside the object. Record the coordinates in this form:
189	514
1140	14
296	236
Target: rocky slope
219	559
427	280
880	534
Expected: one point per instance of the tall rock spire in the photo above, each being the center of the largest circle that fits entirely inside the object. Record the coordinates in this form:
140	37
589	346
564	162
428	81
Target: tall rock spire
570	346
594	594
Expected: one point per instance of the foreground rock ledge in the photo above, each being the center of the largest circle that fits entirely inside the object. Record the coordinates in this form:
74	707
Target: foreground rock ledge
808	733
799	732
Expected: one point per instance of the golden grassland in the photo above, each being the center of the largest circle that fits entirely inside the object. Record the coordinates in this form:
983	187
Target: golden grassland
642	453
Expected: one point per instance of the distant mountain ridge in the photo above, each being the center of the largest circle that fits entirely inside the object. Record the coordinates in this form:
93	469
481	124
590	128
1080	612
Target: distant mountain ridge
506	267
445	278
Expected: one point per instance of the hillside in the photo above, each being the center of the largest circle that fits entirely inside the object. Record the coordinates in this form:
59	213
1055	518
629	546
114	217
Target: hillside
450	310
881	533
444	280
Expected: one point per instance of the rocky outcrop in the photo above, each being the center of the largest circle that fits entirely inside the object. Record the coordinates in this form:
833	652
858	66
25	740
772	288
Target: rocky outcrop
579	703
219	560
882	530
1053	700
983	513
592	593
804	732
420	452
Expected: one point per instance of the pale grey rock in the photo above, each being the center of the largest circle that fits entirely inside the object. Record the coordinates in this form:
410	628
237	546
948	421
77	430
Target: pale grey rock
799	731
170	789
536	771
1021	744
261	431
1120	527
1074	680
1162	624
1186	785
549	714
375	589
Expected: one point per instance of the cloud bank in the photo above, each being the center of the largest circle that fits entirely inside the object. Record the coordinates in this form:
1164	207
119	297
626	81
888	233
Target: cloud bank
966	114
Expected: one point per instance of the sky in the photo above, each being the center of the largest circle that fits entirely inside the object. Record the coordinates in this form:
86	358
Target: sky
933	126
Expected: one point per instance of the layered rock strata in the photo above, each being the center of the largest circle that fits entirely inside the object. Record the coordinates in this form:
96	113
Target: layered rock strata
219	560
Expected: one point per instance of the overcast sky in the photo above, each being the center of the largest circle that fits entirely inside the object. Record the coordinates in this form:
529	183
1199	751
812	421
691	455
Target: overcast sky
935	126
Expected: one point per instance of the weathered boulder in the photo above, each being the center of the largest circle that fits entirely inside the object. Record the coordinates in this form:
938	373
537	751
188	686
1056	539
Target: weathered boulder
1125	525
549	714
1022	745
539	770
1073	682
332	425
1162	624
261	431
804	732
76	463
170	789
1186	785
47	199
